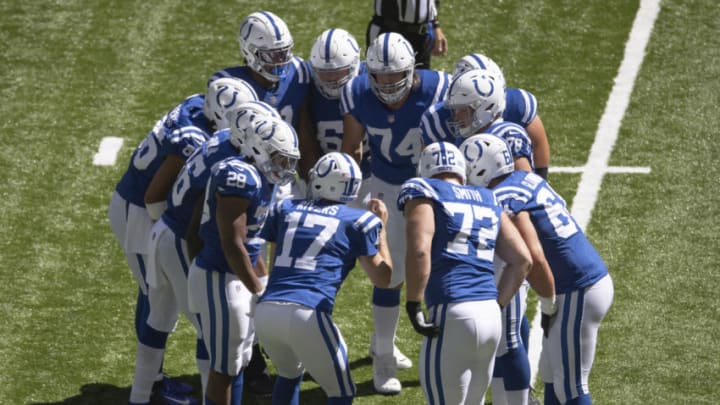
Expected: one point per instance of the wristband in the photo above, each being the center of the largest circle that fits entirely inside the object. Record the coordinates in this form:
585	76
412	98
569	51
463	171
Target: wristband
156	209
547	305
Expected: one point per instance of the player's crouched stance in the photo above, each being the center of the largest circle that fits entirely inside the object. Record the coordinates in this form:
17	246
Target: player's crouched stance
318	240
453	232
222	280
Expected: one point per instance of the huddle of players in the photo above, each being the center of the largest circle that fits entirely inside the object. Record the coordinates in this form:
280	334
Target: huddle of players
206	189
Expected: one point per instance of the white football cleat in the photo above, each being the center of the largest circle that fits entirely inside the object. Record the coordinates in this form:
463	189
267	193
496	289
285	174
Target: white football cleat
384	379
402	362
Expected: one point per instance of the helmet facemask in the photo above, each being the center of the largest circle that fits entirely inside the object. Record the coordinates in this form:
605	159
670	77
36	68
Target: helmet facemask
391	91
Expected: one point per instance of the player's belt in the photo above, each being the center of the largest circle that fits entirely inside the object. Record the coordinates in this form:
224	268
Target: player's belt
400	27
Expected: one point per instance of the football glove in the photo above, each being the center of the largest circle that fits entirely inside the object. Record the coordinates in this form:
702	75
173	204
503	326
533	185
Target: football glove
419	320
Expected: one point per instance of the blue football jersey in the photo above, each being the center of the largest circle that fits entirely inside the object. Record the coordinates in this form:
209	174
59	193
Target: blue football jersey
317	245
287	96
179	132
393	136
520	108
192	179
327	118
434	125
574	261
467	222
516	137
233	177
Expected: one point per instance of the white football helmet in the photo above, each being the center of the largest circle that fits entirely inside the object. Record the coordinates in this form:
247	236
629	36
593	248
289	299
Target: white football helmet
222	96
241	116
479	61
476	101
273	146
441	157
390	54
487	157
335	59
266	44
335	177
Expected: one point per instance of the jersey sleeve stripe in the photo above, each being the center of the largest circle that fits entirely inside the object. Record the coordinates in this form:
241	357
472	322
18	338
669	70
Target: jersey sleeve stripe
367	221
428	128
515	193
426	188
530	106
441	88
346	102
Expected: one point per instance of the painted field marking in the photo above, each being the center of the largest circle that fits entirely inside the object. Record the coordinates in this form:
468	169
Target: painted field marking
605	137
609	169
108	151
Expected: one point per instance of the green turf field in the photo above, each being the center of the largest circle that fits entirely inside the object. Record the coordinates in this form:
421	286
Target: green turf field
73	72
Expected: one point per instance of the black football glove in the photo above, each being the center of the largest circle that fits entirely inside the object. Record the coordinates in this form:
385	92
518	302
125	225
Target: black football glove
419	321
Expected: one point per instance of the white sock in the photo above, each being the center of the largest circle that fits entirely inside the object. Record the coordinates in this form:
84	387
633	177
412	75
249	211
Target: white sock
203	366
519	397
386	322
147	363
498	391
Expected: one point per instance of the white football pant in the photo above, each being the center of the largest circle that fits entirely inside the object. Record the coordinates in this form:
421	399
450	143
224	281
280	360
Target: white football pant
456	366
224	305
569	350
299	338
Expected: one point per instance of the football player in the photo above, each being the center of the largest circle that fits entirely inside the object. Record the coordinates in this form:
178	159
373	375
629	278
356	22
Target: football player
168	253
222	280
281	80
334	61
453	233
159	158
385	105
511	376
318	241
583	287
520	108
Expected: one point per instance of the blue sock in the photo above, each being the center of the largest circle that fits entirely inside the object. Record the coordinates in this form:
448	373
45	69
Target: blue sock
201	350
386	297
236	391
142	312
153	337
550	398
514	369
340	400
286	391
525	332
583	399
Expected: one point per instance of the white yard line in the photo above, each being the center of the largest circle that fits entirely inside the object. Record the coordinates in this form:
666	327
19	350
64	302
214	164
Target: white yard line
108	151
609	169
605	137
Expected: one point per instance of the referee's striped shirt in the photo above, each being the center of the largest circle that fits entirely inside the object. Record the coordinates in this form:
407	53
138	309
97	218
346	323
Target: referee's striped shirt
406	11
